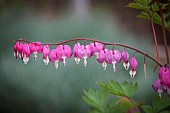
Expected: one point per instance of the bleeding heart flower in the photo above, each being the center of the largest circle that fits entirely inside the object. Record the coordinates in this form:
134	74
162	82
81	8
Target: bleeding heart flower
98	47
117	57
81	51
101	58
18	50
164	76
46	51
133	65
55	58
64	52
26	53
125	57
158	87
88	52
36	47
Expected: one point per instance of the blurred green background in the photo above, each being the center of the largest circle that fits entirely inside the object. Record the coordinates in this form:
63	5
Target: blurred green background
36	88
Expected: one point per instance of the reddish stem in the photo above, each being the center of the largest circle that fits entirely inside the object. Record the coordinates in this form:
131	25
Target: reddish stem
155	39
105	43
164	36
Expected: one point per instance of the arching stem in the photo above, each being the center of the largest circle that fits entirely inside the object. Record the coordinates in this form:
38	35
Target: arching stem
105	43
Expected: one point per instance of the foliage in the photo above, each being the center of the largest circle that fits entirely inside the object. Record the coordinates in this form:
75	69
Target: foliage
98	99
122	101
125	89
159	105
151	11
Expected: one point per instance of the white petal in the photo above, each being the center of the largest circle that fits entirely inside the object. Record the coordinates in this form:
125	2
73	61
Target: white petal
160	92
46	61
104	64
64	60
35	55
126	65
16	55
85	61
77	60
56	64
114	65
20	56
132	73
25	59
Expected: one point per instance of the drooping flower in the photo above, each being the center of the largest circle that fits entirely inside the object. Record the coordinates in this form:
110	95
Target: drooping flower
133	65
46	51
18	50
36	47
125	57
98	47
88	51
101	58
76	52
158	87
164	76
81	51
55	58
117	57
64	52
26	53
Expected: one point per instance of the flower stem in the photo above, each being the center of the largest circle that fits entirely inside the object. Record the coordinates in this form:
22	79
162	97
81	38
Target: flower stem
164	36
155	39
105	43
133	104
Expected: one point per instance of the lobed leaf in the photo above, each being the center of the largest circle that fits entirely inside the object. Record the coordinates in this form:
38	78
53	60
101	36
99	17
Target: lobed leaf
160	103
125	89
97	98
155	7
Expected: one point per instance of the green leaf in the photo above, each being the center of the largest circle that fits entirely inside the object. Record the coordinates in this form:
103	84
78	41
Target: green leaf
135	6
156	18
143	2
125	89
143	15
155	7
140	4
147	109
160	103
97	98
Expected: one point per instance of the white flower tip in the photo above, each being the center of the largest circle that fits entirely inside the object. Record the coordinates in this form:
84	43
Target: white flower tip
35	55
104	64
64	61
114	66
56	64
77	60
132	73
46	61
85	62
25	59
126	65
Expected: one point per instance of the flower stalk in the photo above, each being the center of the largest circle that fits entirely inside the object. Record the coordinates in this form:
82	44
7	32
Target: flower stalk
105	43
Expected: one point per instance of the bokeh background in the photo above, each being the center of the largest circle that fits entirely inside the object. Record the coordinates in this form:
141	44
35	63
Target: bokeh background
36	88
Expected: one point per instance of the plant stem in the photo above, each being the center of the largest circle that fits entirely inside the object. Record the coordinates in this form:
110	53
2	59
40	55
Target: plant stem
133	104
105	43
164	36
155	39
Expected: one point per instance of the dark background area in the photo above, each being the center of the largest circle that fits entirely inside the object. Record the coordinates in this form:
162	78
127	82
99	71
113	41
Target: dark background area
36	88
